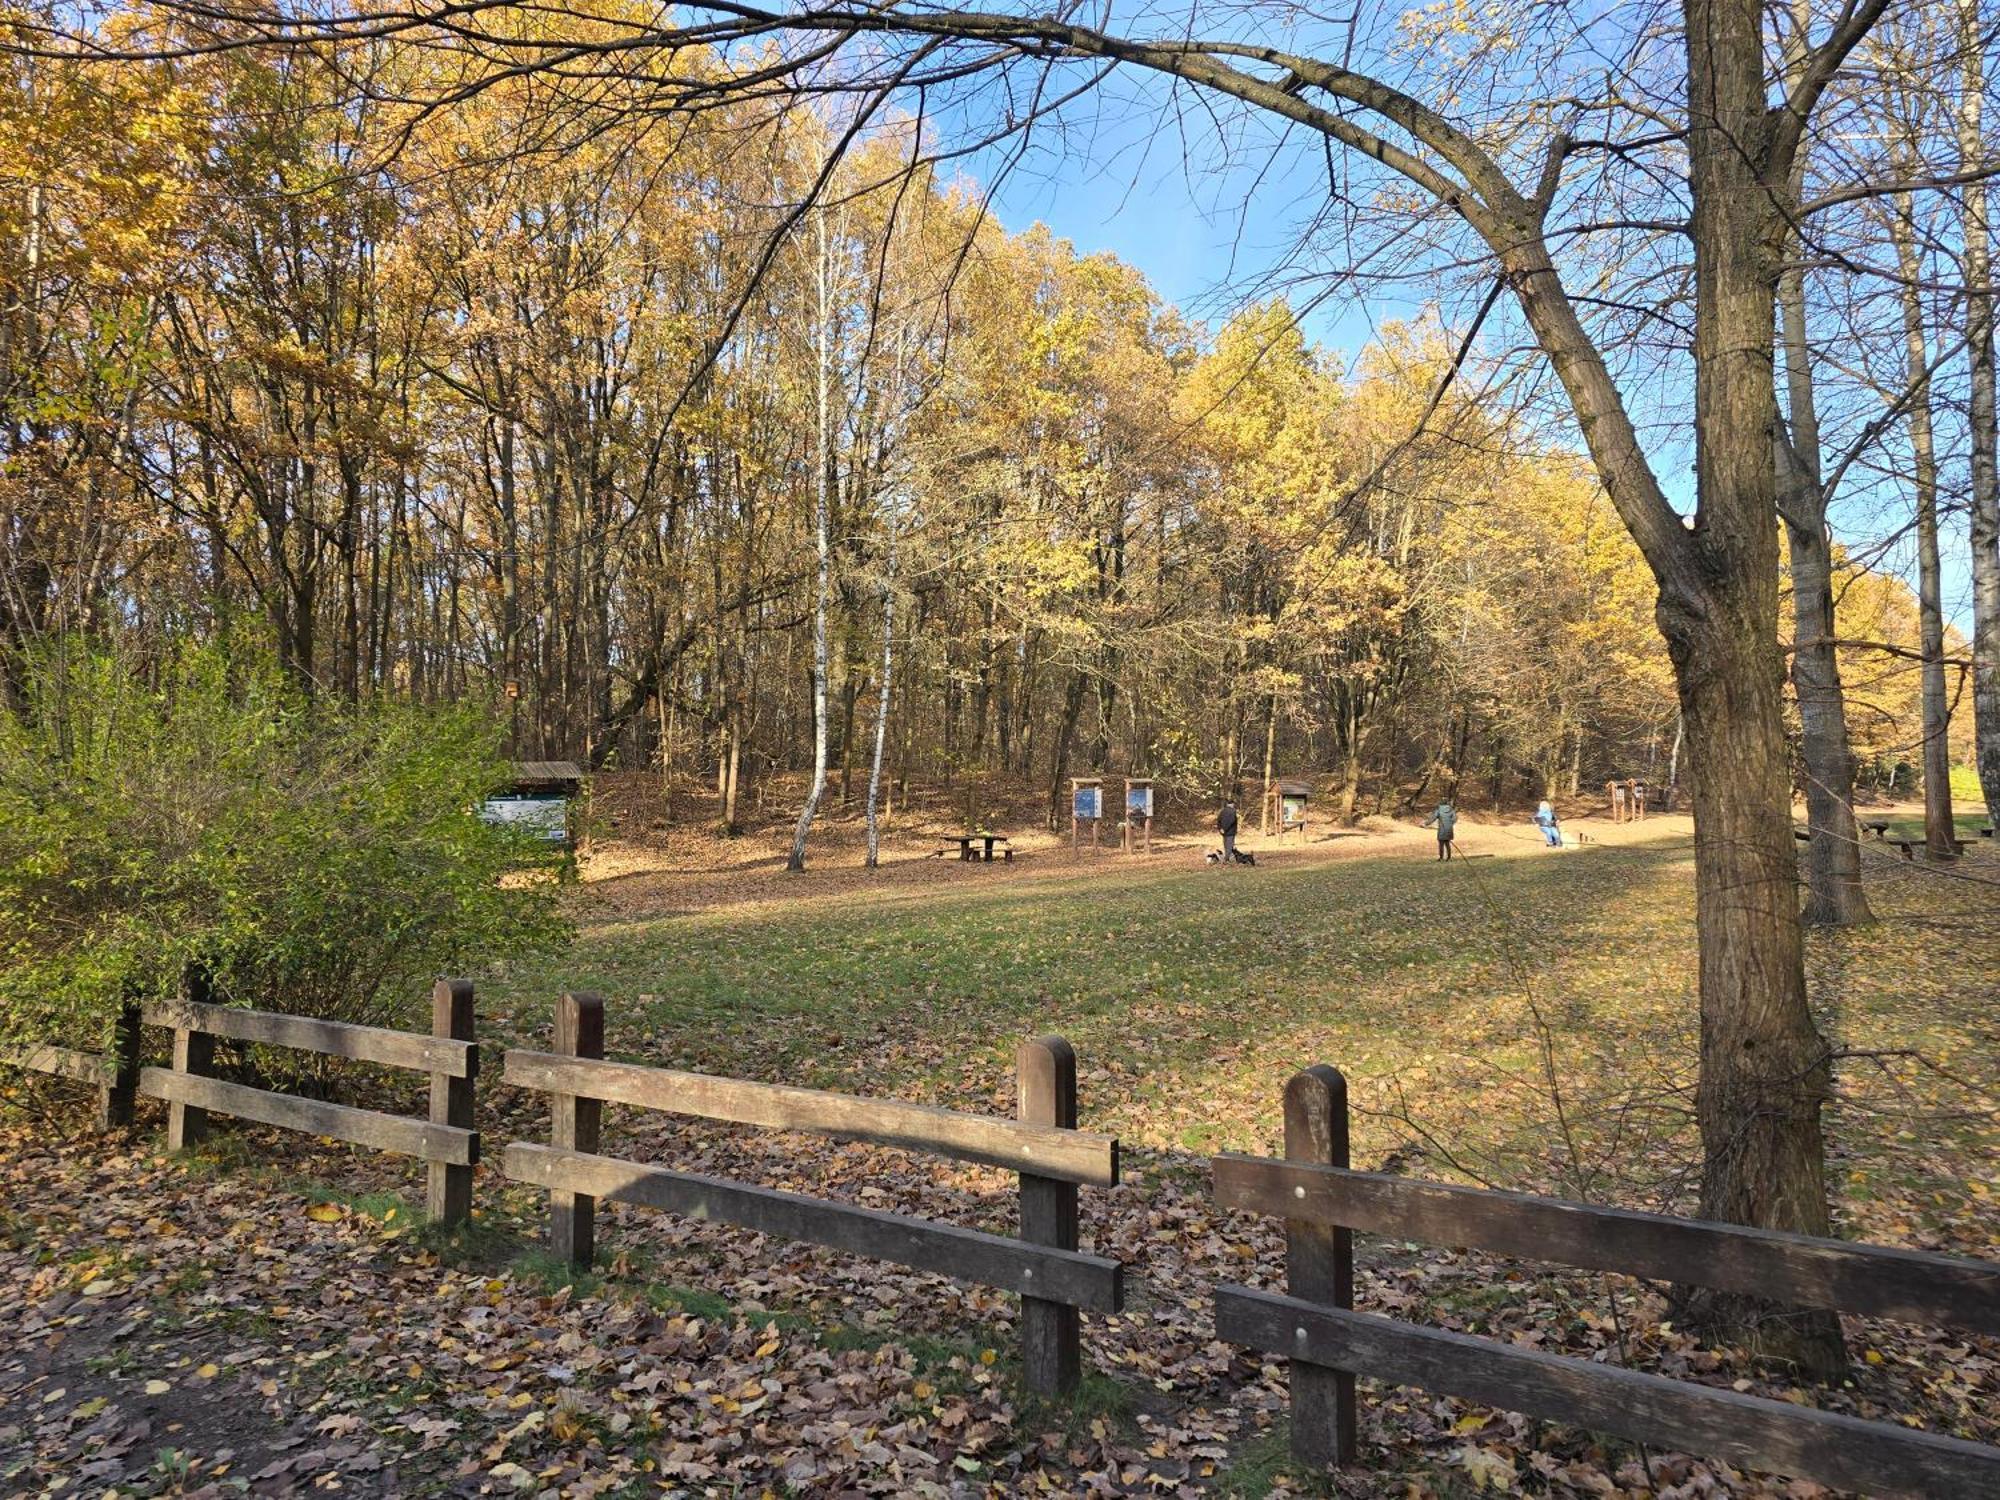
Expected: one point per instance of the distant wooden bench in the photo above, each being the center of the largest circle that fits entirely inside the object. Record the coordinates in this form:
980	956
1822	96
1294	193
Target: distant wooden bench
969	845
1877	826
1054	1279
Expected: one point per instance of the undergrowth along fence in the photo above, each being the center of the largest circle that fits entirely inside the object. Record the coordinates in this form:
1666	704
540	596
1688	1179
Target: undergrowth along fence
1055	1280
446	1140
1323	1202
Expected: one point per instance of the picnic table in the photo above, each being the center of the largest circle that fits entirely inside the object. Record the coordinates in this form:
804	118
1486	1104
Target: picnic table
970	845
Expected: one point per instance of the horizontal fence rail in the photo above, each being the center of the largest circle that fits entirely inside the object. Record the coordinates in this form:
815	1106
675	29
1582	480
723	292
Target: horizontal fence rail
1090	1282
61	1062
1315	1327
1065	1155
374	1044
113	1074
362	1127
1055	1280
1911	1286
1831	1448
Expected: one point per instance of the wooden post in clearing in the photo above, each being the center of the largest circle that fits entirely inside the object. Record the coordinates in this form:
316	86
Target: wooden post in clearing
448	1192
194	1052
1319	1266
575	1118
115	1100
1051	1333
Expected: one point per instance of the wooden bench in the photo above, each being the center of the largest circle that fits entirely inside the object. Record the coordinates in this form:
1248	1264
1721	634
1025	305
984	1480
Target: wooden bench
1877	826
1328	1343
968	847
1054	1279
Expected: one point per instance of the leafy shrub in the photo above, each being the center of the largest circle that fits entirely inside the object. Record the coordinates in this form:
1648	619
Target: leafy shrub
192	812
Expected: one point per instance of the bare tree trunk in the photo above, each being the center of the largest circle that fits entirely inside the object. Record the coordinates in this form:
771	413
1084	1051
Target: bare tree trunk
822	535
1939	832
882	701
1765	1069
1985	499
1834	895
1270	762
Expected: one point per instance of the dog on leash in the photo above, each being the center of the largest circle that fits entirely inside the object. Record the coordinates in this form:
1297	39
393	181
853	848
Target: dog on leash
1243	857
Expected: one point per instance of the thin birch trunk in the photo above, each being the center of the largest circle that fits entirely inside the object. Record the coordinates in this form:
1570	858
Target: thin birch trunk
822	532
882	701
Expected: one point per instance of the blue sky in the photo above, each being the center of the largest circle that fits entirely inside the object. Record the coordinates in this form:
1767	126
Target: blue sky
1200	249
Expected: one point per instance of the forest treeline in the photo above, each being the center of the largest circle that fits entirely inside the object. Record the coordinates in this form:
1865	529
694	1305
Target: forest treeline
603	429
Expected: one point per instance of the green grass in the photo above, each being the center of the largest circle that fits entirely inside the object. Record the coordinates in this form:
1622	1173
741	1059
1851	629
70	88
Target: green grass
1509	1011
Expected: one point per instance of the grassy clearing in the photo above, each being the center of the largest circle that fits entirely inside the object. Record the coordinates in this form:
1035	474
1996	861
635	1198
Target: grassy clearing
1520	1018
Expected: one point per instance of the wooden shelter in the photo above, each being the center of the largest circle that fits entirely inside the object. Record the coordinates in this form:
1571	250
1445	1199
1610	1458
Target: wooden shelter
538	799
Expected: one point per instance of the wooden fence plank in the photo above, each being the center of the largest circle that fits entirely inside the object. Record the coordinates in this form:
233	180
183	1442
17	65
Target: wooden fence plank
1319	1265
1066	1155
375	1044
448	1185
194	1055
1090	1282
1830	1448
1051	1331
1909	1285
364	1127
574	1117
61	1062
116	1100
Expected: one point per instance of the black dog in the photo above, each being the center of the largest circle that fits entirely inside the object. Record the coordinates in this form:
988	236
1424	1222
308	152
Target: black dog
1243	857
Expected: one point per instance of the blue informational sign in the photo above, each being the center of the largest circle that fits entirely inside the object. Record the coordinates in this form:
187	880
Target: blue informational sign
1139	801
1089	802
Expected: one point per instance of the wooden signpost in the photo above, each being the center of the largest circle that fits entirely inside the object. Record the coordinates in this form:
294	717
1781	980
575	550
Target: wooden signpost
1138	834
1086	805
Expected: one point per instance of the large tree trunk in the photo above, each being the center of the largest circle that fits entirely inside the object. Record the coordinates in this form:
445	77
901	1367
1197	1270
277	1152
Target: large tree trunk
1764	1067
1985	498
1765	1071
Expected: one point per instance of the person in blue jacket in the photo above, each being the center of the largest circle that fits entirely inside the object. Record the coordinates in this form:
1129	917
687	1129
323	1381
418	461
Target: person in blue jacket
1446	819
1551	826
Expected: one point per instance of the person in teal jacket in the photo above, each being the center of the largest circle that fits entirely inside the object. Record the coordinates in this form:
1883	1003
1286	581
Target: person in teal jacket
1446	818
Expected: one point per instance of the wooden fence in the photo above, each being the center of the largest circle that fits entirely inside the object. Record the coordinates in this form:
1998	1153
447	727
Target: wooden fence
1328	1343
446	1141
1055	1281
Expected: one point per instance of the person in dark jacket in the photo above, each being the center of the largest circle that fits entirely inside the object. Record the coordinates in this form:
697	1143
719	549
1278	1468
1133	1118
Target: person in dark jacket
1225	823
1446	818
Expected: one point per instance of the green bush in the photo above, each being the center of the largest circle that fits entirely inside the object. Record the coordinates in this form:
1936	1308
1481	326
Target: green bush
191	813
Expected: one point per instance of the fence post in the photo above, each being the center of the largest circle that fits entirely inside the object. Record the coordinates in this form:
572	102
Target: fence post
1319	1266
448	1192
116	1099
1051	1333
573	1127
194	1053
